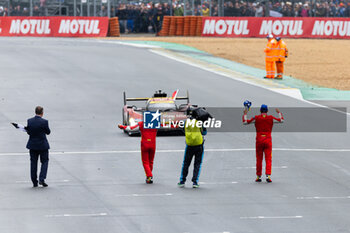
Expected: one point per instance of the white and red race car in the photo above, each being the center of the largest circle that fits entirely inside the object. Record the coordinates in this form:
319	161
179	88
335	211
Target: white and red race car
166	106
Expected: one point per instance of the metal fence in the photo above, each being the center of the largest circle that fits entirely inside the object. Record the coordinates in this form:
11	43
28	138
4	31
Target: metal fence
58	7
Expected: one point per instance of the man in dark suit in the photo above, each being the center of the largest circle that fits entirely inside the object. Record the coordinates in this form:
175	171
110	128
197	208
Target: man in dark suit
38	128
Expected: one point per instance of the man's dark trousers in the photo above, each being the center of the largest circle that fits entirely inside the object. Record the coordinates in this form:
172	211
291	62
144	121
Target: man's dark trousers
44	159
197	152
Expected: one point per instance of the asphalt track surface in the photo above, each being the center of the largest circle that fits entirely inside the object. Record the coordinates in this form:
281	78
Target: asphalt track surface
97	185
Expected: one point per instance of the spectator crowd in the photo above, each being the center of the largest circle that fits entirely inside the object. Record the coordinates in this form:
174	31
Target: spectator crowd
22	10
148	17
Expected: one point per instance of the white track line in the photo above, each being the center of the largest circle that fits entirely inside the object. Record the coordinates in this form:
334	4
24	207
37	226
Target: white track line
51	181
215	232
280	167
271	217
218	183
176	150
340	168
76	215
320	198
145	195
129	44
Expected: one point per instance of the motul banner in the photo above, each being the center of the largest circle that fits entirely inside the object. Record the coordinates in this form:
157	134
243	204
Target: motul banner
327	28
54	26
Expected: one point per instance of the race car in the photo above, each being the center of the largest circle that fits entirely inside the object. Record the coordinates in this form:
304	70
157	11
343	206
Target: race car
166	106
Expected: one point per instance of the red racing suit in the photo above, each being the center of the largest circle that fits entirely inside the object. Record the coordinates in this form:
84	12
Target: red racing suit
148	147
263	145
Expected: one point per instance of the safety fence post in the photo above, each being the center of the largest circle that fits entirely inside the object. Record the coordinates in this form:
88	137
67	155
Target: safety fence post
30	7
171	7
210	6
75	8
193	8
109	8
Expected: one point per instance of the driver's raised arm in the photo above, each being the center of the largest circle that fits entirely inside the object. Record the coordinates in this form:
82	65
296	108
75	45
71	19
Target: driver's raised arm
280	118
245	119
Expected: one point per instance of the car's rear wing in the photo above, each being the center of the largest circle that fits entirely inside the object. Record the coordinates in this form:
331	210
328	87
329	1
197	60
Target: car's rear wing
133	99
187	97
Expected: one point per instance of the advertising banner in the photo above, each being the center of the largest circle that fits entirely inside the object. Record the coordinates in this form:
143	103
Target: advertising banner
54	26
326	28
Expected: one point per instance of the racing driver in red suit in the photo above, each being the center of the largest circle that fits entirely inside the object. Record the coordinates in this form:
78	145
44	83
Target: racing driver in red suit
263	125
148	148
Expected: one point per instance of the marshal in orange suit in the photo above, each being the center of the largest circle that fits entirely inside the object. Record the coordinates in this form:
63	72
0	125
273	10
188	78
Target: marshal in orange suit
270	56
282	54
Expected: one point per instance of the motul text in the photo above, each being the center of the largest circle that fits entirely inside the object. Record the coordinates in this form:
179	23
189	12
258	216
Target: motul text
285	27
54	26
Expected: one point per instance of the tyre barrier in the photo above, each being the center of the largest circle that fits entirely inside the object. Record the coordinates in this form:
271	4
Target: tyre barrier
199	27
187	26
165	26
193	25
172	28
181	26
114	28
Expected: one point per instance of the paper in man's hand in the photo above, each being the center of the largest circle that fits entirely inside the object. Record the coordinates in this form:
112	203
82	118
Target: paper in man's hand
19	126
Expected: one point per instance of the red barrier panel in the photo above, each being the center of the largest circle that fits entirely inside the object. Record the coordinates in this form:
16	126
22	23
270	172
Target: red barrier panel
54	26
326	28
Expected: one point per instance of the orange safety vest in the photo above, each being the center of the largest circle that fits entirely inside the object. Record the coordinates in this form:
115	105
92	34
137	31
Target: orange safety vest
282	51
271	50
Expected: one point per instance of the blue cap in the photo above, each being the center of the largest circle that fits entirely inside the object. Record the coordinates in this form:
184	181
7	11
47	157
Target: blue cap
278	38
264	108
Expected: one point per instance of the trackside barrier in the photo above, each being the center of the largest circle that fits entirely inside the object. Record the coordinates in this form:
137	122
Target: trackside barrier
114	28
193	25
172	27
165	26
187	26
199	26
324	28
181	26
54	26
